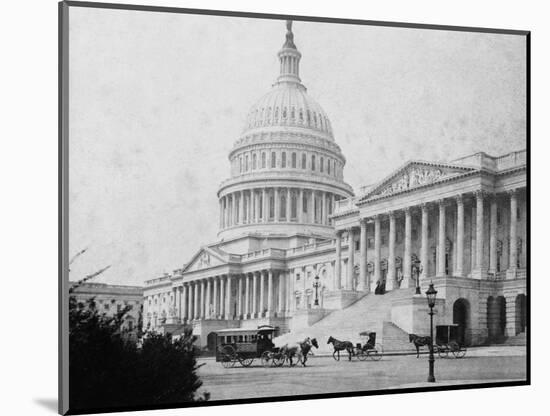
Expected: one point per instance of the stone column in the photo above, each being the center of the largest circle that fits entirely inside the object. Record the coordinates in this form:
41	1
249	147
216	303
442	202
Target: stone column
513	258
196	300
190	311
228	300
277	207
208	300
184	295
257	206
240	297
351	260
288	205
247	296
222	311
377	248
254	294
300	205
203	300
311	207
250	213
338	261
407	251
215	297
441	241
459	236
281	293
177	300
424	242
324	208
265	207
262	292
269	292
493	236
479	266
363	276
390	281
511	329
241	207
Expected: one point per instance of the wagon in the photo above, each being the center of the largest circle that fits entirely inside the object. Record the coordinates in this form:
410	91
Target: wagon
245	345
449	339
368	349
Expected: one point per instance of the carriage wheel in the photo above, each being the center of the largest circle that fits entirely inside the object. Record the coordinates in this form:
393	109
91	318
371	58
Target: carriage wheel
376	353
279	359
361	355
245	362
266	359
457	350
336	356
228	356
442	351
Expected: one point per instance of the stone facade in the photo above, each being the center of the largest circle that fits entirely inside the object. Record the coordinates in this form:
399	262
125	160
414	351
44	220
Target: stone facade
111	299
288	220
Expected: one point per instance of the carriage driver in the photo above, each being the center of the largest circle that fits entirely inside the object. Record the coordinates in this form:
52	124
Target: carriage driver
264	343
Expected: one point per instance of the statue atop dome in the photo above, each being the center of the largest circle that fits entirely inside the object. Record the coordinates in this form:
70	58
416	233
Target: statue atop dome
289	36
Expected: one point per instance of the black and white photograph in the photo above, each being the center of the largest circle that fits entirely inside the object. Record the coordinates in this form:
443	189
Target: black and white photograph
264	207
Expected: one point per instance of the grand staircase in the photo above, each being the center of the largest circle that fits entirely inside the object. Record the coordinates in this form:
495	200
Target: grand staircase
369	313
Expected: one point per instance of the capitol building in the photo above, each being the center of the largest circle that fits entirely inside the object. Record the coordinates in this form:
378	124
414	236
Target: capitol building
299	249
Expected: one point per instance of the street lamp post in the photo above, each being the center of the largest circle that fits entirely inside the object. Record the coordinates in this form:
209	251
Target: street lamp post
431	294
316	285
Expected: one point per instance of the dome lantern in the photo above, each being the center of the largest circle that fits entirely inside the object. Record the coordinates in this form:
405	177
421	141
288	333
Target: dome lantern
289	58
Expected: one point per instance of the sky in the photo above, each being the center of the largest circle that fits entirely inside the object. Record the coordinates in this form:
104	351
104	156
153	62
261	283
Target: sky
156	101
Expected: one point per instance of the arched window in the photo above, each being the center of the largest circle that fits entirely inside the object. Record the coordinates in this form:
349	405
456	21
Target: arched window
315	119
283	160
282	207
304	203
273	159
294	160
293	206
263	160
322	164
334	167
246	163
271	207
328	166
254	161
312	162
303	160
240	164
308	117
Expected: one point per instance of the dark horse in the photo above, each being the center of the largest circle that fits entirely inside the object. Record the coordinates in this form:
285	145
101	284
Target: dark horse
340	346
420	342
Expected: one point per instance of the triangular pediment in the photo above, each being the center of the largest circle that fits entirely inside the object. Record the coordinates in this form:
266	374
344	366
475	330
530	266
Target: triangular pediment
415	175
205	258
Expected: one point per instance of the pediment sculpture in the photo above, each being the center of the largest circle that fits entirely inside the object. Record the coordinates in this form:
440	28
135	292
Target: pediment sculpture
414	177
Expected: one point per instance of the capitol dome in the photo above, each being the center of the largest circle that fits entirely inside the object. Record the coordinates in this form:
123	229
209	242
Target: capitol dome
288	104
286	167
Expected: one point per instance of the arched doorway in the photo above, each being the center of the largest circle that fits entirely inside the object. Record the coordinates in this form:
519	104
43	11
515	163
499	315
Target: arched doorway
501	308
521	313
461	317
211	341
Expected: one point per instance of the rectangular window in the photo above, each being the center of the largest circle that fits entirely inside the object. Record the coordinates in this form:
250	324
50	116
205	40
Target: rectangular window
273	159
357	246
297	276
294	160
322	164
328	167
283	160
303	161
263	160
312	162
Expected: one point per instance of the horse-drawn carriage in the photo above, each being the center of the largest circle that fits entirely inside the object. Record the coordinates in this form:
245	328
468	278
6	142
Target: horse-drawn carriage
369	349
449	339
244	345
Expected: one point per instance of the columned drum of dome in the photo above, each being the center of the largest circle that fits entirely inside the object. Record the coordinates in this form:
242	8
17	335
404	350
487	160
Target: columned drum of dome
286	168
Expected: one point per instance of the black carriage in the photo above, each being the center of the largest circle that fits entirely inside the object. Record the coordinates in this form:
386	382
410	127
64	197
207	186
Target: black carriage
369	348
244	345
449	339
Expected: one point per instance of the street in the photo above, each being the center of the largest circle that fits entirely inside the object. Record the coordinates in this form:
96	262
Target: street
325	375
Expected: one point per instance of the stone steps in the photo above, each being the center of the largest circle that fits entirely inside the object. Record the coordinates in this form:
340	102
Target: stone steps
369	313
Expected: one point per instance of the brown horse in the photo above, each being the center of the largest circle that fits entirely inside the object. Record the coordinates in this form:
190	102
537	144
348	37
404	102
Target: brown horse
340	346
420	342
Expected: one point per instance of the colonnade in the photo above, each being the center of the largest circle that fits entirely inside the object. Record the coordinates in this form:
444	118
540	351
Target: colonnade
278	204
479	266
233	296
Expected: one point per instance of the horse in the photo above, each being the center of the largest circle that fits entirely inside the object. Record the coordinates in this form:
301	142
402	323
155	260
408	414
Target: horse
299	349
420	342
340	346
